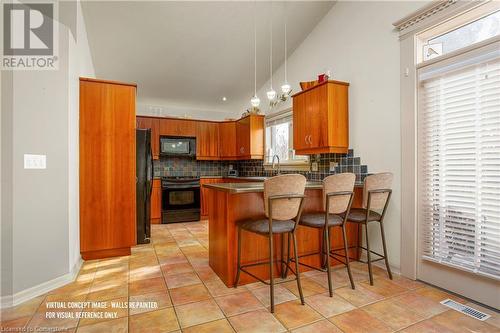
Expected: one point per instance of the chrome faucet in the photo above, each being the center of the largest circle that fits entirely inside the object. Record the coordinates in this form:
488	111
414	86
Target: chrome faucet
279	165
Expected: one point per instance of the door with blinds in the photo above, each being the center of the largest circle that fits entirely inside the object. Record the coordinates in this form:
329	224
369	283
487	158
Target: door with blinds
459	174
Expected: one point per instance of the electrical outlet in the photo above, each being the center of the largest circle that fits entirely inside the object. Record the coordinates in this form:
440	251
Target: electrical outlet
35	161
333	165
314	166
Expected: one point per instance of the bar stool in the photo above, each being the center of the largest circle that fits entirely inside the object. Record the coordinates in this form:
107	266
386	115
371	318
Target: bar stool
376	196
337	199
283	201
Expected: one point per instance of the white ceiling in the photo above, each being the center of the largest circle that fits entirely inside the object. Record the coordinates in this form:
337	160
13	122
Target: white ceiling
190	54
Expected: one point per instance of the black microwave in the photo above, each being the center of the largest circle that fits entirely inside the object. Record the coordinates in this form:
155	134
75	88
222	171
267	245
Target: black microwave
177	146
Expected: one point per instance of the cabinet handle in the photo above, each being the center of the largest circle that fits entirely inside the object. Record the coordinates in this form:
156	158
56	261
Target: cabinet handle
310	139
305	139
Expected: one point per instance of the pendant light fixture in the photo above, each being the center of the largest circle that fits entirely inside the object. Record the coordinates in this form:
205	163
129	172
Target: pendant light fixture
255	101
286	88
271	93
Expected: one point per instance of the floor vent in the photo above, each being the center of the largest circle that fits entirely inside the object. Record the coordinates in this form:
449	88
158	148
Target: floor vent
466	310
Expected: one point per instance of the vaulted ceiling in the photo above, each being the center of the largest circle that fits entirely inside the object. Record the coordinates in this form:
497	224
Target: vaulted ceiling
191	54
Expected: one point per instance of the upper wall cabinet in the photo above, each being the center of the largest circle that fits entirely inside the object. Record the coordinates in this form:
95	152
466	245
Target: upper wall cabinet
154	125
177	127
227	140
207	140
321	119
250	137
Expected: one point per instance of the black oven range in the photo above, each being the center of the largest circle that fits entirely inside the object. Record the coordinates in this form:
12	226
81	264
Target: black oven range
180	199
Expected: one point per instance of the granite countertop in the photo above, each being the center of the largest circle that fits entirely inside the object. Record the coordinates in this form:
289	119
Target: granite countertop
255	184
254	187
261	179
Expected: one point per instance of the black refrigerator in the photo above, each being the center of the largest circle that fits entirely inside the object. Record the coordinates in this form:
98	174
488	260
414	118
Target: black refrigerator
144	184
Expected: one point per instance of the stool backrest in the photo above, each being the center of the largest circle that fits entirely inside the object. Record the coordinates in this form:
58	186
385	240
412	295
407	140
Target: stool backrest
342	182
284	185
378	181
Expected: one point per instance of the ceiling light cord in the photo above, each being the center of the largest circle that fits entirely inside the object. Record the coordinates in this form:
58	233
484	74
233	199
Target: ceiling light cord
286	88
271	47
286	51
255	101
255	48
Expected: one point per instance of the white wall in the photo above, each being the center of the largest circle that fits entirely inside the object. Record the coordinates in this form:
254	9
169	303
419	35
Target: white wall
163	108
42	205
357	43
80	64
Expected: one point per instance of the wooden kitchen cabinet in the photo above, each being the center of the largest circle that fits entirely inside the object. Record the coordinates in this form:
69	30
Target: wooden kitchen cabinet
107	168
207	140
154	125
156	202
177	127
227	140
321	119
242	139
250	137
204	193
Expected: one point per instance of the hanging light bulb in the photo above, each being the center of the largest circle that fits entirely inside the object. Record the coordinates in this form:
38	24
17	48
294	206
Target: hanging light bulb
271	93
255	101
285	88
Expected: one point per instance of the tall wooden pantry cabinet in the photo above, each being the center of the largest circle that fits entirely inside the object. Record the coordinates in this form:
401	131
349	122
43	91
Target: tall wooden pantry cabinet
107	168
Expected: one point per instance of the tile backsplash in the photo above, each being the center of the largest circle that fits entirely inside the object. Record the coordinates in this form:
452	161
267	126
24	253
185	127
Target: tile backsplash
187	167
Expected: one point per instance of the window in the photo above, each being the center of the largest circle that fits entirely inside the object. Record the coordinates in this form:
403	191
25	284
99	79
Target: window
474	32
472	27
459	161
279	141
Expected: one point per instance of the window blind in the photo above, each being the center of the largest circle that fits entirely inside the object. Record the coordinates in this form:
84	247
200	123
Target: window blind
459	163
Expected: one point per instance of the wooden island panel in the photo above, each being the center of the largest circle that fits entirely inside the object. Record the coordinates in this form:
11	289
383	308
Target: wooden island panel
225	209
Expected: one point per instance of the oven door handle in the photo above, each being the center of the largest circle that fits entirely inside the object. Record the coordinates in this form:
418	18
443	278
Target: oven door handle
180	187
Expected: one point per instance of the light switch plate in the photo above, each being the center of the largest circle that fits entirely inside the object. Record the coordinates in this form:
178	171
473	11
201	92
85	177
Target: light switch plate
35	161
314	166
333	165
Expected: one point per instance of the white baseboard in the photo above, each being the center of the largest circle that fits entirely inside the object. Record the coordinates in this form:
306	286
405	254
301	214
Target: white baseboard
27	294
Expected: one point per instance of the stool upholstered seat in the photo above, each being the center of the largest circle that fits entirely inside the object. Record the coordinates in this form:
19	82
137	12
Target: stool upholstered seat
317	220
262	226
358	215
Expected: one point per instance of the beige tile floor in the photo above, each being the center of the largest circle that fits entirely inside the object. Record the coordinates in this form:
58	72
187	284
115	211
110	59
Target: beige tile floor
174	274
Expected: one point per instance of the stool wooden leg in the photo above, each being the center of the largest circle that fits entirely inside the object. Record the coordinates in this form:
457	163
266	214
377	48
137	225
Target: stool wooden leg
385	251
344	237
271	278
295	251
239	259
368	254
327	243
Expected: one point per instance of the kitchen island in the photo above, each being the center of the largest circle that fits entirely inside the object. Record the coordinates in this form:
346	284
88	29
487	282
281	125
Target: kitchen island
229	203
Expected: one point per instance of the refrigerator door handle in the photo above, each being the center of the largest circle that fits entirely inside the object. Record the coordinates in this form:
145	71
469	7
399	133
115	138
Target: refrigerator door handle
152	171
